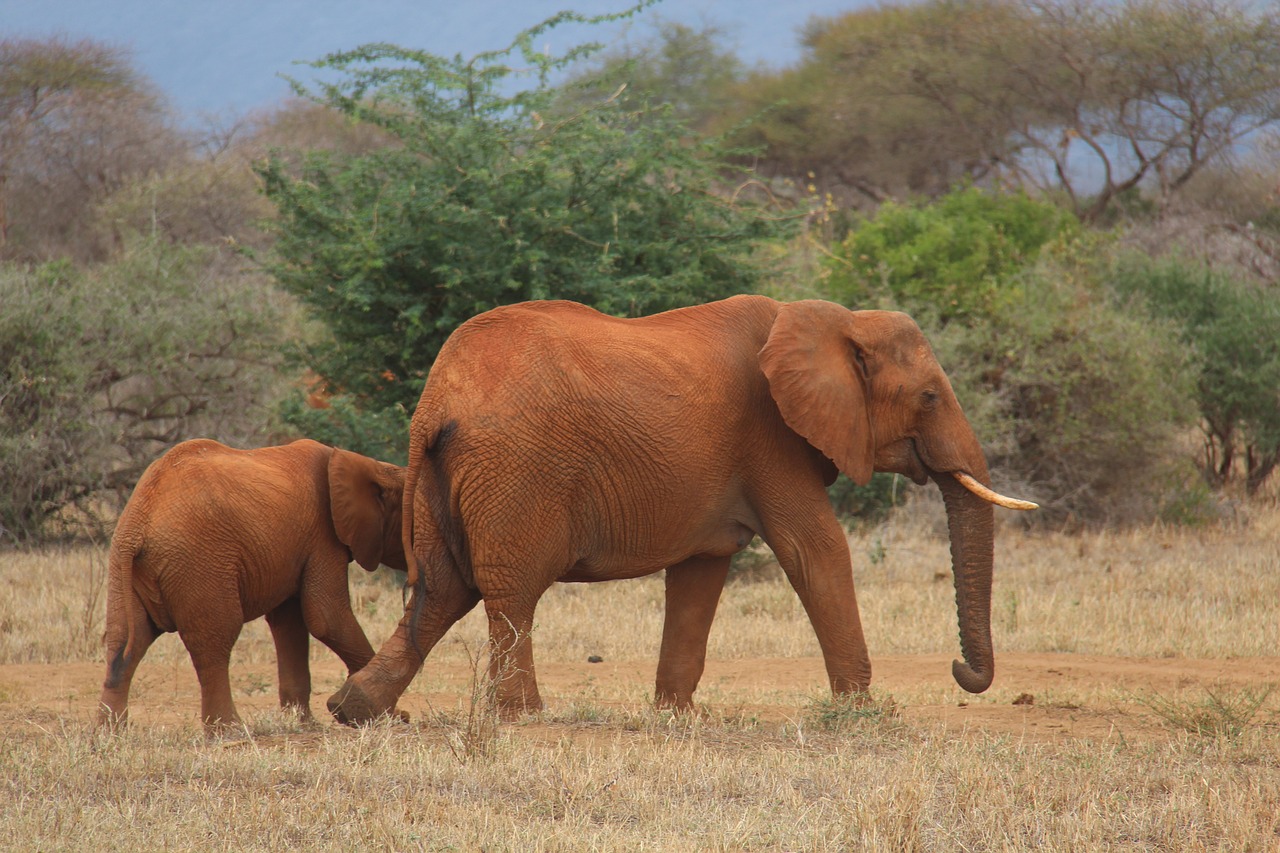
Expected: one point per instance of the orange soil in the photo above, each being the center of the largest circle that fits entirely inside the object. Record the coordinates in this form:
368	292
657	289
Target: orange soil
1025	702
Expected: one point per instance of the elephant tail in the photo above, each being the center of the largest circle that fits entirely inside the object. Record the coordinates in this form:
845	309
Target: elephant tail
437	535
407	511
120	606
427	452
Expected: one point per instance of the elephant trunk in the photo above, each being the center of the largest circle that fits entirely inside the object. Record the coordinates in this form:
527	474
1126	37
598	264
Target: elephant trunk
969	522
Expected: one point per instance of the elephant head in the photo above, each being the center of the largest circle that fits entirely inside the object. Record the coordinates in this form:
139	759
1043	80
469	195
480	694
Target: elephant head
828	367
365	497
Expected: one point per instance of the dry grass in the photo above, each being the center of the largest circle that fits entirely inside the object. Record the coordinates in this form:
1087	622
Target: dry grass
602	771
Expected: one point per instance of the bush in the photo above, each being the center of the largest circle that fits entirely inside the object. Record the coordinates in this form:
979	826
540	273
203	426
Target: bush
102	369
959	256
866	504
1078	403
1234	327
486	199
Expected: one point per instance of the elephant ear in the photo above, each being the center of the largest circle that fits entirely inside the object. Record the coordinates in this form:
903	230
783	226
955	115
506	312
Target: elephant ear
816	374
358	504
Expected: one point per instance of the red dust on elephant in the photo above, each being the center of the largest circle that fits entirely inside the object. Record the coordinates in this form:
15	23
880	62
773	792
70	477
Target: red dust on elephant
555	443
214	537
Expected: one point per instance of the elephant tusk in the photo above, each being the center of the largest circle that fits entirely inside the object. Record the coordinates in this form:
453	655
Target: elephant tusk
988	495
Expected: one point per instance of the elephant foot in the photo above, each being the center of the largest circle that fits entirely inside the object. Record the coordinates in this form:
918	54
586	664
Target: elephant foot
352	706
510	710
682	709
112	720
681	703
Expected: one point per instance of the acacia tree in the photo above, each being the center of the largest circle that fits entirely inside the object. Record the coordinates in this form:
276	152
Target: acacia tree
77	124
683	68
847	118
486	198
1082	97
1234	327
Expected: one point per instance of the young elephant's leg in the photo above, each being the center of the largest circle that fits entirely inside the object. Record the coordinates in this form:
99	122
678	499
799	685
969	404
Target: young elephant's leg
123	608
289	631
326	609
209	644
693	592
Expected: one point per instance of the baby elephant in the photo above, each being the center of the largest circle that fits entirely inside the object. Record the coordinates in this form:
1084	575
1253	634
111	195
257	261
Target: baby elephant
214	537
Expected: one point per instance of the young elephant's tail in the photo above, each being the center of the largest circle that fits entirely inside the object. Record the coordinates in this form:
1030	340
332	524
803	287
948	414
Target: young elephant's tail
124	549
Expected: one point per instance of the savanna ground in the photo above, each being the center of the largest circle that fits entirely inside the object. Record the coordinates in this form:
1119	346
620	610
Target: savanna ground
1134	707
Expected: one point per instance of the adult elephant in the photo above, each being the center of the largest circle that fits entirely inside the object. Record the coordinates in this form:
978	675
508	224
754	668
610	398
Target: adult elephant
555	443
213	537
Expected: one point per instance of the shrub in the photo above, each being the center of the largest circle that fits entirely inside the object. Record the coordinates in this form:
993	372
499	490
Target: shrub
959	256
102	369
486	199
1234	327
870	503
1077	402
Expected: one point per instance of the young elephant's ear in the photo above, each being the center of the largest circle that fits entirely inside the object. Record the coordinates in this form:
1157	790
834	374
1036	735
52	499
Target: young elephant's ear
357	501
817	376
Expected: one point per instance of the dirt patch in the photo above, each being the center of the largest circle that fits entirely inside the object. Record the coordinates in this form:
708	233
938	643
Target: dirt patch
1036	696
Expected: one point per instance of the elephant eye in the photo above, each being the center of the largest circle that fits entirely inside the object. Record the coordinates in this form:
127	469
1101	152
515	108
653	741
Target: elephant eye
929	399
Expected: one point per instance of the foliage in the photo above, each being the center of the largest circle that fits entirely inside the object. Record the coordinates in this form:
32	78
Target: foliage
487	199
1083	402
679	67
958	256
1077	403
870	503
1062	95
380	433
77	124
103	368
1234	326
847	118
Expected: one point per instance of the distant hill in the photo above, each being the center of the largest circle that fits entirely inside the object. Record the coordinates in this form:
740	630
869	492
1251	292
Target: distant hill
226	57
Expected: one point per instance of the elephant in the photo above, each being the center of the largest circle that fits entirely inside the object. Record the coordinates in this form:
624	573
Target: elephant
213	537
555	443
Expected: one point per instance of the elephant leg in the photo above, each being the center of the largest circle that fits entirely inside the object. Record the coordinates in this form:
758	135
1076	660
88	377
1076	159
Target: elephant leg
693	592
511	653
113	705
289	631
326	609
815	557
210	650
373	690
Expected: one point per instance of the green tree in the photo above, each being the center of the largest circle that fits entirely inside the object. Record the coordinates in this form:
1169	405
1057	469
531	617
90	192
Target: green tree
1085	98
959	257
1078	403
1235	328
103	368
683	68
487	198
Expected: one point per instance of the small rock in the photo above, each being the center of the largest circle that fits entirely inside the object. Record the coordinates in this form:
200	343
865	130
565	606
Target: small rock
594	659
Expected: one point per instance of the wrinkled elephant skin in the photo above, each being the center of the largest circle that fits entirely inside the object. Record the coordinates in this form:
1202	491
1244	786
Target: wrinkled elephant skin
555	443
213	537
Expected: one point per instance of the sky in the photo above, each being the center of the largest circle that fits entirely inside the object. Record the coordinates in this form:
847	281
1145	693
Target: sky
220	58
